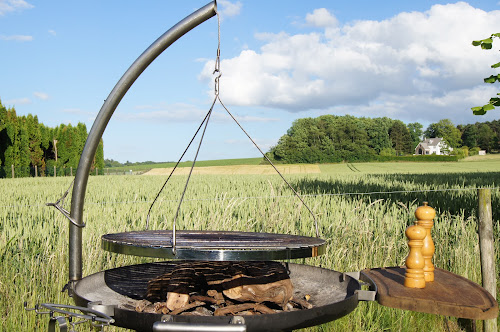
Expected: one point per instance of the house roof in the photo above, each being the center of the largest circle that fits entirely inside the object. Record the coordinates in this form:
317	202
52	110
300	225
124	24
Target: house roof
432	141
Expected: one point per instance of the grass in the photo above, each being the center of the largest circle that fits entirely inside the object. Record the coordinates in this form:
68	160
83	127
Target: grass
362	230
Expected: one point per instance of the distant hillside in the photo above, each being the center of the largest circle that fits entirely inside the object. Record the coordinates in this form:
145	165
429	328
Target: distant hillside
145	166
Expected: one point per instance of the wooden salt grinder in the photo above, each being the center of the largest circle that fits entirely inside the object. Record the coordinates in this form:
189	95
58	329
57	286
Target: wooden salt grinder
414	277
425	215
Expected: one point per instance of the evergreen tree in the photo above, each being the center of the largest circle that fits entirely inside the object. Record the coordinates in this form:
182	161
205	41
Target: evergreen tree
401	138
35	141
11	152
25	143
23	163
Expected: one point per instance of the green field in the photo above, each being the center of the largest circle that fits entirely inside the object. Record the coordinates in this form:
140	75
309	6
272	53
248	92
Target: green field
200	163
363	210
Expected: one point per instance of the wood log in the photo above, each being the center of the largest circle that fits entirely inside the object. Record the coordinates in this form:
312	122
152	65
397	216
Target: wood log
279	292
237	308
187	307
176	300
219	298
161	308
202	298
221	282
142	305
303	303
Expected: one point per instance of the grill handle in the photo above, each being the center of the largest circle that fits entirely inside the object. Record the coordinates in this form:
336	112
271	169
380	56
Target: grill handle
237	324
363	279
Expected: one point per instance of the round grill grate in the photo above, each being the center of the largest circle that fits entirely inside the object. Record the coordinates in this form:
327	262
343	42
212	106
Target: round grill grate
213	245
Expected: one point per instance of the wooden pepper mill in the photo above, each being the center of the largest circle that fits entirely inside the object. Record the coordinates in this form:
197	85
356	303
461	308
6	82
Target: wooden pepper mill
414	277
425	216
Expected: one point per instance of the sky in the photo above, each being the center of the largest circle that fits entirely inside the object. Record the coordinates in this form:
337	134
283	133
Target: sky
280	61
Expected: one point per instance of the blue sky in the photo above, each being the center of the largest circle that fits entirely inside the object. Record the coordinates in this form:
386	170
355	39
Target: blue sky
281	60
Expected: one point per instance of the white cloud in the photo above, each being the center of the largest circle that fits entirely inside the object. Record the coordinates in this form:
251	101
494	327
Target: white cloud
228	9
52	32
21	38
321	18
41	95
181	112
18	101
423	57
8	6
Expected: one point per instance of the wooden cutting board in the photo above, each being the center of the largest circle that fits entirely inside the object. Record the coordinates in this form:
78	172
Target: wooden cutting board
449	294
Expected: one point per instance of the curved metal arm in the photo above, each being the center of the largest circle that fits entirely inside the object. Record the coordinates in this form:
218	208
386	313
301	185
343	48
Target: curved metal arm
102	119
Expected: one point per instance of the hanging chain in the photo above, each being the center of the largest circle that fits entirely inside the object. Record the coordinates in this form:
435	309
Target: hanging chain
217	59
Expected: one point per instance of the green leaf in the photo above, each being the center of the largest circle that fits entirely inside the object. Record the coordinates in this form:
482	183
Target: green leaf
496	65
491	79
476	42
496	35
495	101
486	46
488	107
487	41
478	110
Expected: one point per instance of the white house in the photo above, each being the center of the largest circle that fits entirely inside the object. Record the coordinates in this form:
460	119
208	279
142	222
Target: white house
434	145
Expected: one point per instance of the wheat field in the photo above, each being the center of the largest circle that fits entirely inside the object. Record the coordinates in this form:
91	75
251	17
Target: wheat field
361	214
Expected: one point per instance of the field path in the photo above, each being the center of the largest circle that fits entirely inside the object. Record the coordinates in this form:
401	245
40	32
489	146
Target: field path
239	169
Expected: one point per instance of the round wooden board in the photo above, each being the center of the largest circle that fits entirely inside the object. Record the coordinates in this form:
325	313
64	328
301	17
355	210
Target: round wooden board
449	294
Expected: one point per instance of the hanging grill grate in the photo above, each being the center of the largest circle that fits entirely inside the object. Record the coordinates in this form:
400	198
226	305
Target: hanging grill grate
214	245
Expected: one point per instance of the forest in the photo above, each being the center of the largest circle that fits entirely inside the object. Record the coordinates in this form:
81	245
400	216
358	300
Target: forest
331	138
33	147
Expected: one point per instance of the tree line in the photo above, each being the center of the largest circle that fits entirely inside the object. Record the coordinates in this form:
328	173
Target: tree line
26	143
331	138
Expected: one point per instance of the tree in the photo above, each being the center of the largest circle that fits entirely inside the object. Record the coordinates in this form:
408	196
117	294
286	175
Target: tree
487	44
378	133
486	137
327	138
23	163
470	136
35	141
447	130
400	137
416	133
11	139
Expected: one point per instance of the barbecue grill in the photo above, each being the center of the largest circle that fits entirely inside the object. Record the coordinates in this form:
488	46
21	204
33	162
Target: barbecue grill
111	296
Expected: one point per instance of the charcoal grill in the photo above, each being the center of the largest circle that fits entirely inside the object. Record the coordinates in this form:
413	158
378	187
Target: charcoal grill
115	292
333	295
